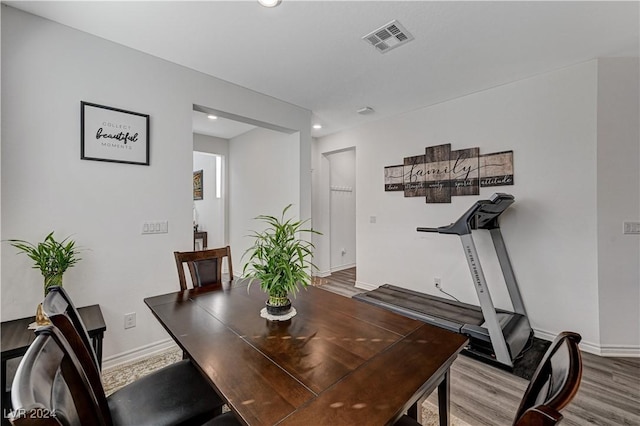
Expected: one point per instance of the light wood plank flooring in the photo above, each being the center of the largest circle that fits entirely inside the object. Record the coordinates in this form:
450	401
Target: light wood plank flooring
485	395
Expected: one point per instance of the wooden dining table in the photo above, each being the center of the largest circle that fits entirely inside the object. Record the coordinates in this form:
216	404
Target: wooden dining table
338	361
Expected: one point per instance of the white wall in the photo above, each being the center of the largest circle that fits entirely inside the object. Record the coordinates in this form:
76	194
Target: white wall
47	69
549	121
343	209
1	245
263	180
618	169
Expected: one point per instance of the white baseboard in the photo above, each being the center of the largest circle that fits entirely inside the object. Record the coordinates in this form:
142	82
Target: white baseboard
544	335
137	354
366	286
631	351
343	267
585	346
323	274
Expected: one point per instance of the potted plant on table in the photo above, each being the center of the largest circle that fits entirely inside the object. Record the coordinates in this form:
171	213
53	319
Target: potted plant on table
52	258
280	260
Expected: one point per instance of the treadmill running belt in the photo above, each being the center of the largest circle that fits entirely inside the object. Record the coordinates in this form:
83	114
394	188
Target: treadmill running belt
458	312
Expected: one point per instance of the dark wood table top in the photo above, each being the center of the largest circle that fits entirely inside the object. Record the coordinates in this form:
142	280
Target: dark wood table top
337	362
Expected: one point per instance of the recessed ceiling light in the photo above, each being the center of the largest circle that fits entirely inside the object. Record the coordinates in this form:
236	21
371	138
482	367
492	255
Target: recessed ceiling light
317	126
212	117
269	3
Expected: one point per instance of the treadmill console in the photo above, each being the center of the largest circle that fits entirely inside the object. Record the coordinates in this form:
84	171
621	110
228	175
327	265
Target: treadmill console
481	215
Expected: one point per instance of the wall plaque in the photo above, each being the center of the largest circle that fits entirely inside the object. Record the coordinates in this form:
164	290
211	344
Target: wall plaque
442	173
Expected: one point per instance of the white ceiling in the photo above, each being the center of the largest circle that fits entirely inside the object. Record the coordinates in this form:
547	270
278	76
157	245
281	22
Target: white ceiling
310	53
220	127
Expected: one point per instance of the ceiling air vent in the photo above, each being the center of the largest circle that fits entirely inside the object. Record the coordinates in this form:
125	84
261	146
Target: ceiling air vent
388	37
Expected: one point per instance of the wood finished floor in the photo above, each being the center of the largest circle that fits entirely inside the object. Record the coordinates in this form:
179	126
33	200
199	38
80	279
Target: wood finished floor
484	395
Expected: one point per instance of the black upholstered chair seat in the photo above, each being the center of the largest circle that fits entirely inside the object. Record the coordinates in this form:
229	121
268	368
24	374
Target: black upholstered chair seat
177	396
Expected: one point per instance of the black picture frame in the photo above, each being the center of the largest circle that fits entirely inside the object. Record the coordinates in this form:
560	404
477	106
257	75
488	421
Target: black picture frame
113	135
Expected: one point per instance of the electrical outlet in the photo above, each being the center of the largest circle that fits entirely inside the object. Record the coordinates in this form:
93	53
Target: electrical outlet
437	282
130	320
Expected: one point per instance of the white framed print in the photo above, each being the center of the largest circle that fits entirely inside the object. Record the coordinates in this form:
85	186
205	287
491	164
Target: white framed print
112	134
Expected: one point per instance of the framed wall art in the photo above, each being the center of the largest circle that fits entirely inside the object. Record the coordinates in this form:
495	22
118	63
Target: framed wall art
441	173
112	134
197	185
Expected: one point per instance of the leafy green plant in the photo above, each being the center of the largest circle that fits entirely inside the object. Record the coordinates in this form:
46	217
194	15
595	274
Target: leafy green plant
51	257
278	259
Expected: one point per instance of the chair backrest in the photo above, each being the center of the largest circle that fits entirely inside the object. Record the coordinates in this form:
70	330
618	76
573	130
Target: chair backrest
205	266
60	303
50	387
554	384
64	316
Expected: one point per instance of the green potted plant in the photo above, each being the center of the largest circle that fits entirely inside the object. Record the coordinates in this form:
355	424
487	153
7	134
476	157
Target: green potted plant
51	257
280	260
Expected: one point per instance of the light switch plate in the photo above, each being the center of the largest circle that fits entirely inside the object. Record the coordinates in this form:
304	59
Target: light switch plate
631	227
155	227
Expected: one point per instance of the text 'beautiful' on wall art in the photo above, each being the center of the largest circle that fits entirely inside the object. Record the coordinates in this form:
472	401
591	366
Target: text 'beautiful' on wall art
442	173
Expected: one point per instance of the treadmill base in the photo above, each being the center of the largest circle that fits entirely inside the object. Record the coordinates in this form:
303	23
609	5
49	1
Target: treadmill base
455	316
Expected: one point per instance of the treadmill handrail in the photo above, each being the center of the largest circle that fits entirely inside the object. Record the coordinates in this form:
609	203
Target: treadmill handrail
420	229
487	210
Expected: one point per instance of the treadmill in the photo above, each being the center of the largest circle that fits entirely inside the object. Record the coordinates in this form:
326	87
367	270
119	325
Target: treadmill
498	336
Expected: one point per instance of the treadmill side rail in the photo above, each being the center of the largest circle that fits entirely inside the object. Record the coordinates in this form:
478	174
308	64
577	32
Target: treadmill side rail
486	304
507	271
494	339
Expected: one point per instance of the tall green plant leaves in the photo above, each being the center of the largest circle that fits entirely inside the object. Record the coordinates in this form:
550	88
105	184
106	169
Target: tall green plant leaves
51	257
279	259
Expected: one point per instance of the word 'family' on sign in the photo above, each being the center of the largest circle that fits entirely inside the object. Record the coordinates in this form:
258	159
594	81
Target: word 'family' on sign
442	173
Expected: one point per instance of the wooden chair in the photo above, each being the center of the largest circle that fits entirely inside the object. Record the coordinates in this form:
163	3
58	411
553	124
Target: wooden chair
175	394
62	303
50	387
552	386
205	266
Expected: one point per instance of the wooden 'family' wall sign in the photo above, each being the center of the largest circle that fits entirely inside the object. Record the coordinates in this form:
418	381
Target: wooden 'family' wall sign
442	173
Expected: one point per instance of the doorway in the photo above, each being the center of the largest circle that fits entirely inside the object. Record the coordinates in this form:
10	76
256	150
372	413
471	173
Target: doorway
342	209
259	173
208	204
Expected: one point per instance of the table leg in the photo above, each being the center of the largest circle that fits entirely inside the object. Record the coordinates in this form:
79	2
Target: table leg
443	400
5	394
97	346
413	411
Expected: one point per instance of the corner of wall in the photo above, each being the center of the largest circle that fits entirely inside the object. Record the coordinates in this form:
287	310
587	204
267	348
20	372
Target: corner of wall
618	200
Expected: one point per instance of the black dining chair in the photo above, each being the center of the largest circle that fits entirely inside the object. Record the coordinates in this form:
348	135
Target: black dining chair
552	386
50	386
175	394
62	303
205	266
